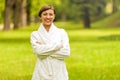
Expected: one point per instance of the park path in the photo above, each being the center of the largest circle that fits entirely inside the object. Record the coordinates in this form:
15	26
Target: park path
1	26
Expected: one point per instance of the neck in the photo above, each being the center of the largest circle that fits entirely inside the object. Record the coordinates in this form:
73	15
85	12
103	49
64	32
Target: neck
47	27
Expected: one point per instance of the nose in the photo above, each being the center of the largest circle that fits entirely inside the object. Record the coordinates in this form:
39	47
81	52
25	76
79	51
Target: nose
48	16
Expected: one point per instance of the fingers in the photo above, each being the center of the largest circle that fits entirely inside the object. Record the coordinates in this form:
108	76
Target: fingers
39	42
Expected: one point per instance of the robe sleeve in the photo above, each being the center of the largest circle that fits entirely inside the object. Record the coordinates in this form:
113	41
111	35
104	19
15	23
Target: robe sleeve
43	49
64	52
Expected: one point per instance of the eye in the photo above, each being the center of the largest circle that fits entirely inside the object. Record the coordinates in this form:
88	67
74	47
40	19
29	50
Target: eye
51	14
44	14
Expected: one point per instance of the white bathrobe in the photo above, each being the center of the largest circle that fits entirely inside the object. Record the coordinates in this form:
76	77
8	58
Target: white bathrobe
50	54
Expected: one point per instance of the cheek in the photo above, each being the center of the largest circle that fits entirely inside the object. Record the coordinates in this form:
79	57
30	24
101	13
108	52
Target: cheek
53	17
42	18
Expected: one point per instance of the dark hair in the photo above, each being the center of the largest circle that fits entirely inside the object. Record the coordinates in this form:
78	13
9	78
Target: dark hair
44	8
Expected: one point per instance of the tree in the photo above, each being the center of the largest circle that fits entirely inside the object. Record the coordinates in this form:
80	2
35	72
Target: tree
16	12
23	13
18	7
86	9
28	11
116	5
8	13
64	10
20	15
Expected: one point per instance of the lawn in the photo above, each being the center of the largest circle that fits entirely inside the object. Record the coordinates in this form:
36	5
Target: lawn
95	54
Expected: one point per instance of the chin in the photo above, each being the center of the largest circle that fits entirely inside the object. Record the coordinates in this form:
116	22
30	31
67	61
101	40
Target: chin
48	24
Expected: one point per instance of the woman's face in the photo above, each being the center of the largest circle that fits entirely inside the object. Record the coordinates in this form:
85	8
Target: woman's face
47	17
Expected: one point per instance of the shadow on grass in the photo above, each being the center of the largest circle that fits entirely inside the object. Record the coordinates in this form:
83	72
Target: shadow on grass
20	77
72	39
14	40
110	38
95	39
26	77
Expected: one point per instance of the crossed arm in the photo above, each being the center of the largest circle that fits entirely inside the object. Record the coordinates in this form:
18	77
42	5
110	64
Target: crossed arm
56	50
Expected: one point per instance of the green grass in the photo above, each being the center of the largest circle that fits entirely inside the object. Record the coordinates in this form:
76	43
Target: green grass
16	58
95	54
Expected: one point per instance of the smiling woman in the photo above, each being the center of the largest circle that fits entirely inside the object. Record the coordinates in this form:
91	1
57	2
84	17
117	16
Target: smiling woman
47	15
51	45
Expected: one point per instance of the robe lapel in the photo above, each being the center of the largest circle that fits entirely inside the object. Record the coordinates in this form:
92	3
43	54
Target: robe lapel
43	34
48	37
54	34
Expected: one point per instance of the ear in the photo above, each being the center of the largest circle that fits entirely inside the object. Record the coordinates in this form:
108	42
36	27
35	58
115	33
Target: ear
40	17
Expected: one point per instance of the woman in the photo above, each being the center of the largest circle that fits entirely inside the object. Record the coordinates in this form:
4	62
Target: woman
51	45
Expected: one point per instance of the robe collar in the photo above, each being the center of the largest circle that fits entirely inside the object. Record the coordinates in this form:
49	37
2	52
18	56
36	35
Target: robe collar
52	32
43	30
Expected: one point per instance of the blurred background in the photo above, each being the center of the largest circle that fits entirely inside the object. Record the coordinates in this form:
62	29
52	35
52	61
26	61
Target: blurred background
20	13
93	27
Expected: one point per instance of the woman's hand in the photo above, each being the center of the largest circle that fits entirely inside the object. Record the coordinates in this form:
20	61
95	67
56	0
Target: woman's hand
38	42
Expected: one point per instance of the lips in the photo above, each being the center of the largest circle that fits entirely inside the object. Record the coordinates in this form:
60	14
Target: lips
47	21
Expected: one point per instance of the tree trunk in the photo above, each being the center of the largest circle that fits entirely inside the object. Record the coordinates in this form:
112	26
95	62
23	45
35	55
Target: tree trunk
86	18
28	11
17	14
20	16
23	13
63	16
7	20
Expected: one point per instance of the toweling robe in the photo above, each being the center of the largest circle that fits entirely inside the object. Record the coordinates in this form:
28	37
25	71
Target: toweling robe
52	51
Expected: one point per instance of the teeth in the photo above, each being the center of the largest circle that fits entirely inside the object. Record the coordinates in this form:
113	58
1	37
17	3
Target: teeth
48	20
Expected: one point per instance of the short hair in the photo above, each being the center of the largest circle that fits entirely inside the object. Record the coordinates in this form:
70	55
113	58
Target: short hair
44	8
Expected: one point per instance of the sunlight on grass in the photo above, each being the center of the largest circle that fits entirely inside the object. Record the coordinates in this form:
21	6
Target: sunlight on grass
95	54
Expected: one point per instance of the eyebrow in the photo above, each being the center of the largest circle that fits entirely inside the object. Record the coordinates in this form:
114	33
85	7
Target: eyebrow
49	12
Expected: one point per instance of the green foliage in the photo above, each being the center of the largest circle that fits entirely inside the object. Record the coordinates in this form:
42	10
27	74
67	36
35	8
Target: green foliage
66	9
96	8
94	53
2	6
37	4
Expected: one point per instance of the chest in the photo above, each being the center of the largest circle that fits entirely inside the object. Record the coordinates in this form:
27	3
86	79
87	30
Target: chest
46	38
